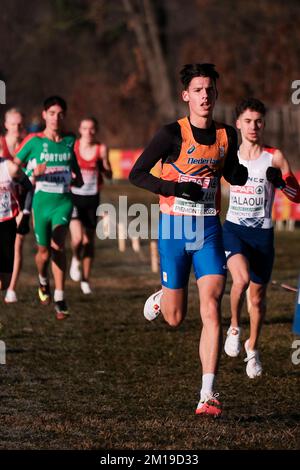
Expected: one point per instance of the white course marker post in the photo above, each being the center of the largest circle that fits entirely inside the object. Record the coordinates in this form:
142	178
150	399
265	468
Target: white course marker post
121	237
154	256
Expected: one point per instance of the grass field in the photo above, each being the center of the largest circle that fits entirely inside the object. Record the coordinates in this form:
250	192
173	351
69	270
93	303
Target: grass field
108	379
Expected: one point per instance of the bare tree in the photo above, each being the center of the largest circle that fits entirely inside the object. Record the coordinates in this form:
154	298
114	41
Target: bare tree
141	19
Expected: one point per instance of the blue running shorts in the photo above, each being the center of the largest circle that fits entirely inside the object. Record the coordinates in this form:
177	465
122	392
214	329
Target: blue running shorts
186	240
256	244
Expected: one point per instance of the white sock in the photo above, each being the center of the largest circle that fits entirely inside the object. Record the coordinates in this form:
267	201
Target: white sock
43	280
59	295
207	385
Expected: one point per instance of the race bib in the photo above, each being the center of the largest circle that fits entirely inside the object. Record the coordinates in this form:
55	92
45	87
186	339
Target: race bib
90	187
55	180
5	205
248	201
207	203
185	207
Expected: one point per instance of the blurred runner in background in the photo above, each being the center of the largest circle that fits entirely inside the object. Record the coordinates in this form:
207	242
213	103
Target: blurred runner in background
15	132
93	161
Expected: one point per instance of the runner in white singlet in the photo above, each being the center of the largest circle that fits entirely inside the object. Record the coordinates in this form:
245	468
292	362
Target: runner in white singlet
248	230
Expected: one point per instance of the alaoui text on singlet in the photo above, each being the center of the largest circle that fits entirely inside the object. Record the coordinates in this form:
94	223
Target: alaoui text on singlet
251	205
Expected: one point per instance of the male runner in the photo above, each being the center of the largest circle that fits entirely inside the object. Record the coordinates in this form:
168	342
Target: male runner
248	229
195	151
93	161
51	156
13	123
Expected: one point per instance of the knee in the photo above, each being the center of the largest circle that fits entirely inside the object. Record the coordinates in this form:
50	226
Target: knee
44	253
258	302
241	284
210	312
76	242
174	316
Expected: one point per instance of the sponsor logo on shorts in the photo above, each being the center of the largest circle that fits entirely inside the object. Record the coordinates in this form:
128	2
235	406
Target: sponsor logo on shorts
165	277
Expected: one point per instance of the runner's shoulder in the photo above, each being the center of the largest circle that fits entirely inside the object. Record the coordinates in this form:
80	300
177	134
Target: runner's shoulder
271	149
69	138
230	130
30	139
171	130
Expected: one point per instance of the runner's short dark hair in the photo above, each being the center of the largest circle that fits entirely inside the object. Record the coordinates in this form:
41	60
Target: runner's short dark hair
53	100
250	103
191	71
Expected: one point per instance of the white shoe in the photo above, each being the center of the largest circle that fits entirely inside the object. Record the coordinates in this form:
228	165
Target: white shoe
232	345
152	306
254	367
75	273
85	287
10	297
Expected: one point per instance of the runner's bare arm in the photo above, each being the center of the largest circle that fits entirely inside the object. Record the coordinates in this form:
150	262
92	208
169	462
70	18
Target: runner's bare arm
105	161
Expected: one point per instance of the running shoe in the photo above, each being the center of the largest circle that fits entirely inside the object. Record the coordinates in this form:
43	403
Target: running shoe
254	367
210	406
152	306
44	294
85	287
232	345
10	297
75	273
61	310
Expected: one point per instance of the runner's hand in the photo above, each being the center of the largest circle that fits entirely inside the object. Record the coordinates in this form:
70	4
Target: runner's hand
274	175
191	191
77	181
39	169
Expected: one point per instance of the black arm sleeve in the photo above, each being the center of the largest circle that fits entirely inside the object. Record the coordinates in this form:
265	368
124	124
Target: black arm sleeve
233	171
28	201
159	148
24	181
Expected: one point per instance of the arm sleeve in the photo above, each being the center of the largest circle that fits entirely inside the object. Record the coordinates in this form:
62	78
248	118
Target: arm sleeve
28	201
74	164
233	172
159	148
292	188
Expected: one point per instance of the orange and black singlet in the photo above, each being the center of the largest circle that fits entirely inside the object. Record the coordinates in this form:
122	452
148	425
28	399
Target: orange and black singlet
188	153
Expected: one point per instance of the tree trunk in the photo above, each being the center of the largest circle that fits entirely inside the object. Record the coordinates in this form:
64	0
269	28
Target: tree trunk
144	25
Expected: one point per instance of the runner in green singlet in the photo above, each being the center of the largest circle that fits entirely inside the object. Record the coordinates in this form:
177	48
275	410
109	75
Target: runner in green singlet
51	158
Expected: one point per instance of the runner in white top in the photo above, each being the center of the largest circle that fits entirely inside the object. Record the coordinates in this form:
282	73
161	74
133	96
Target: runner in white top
15	132
10	174
93	161
248	229
251	205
